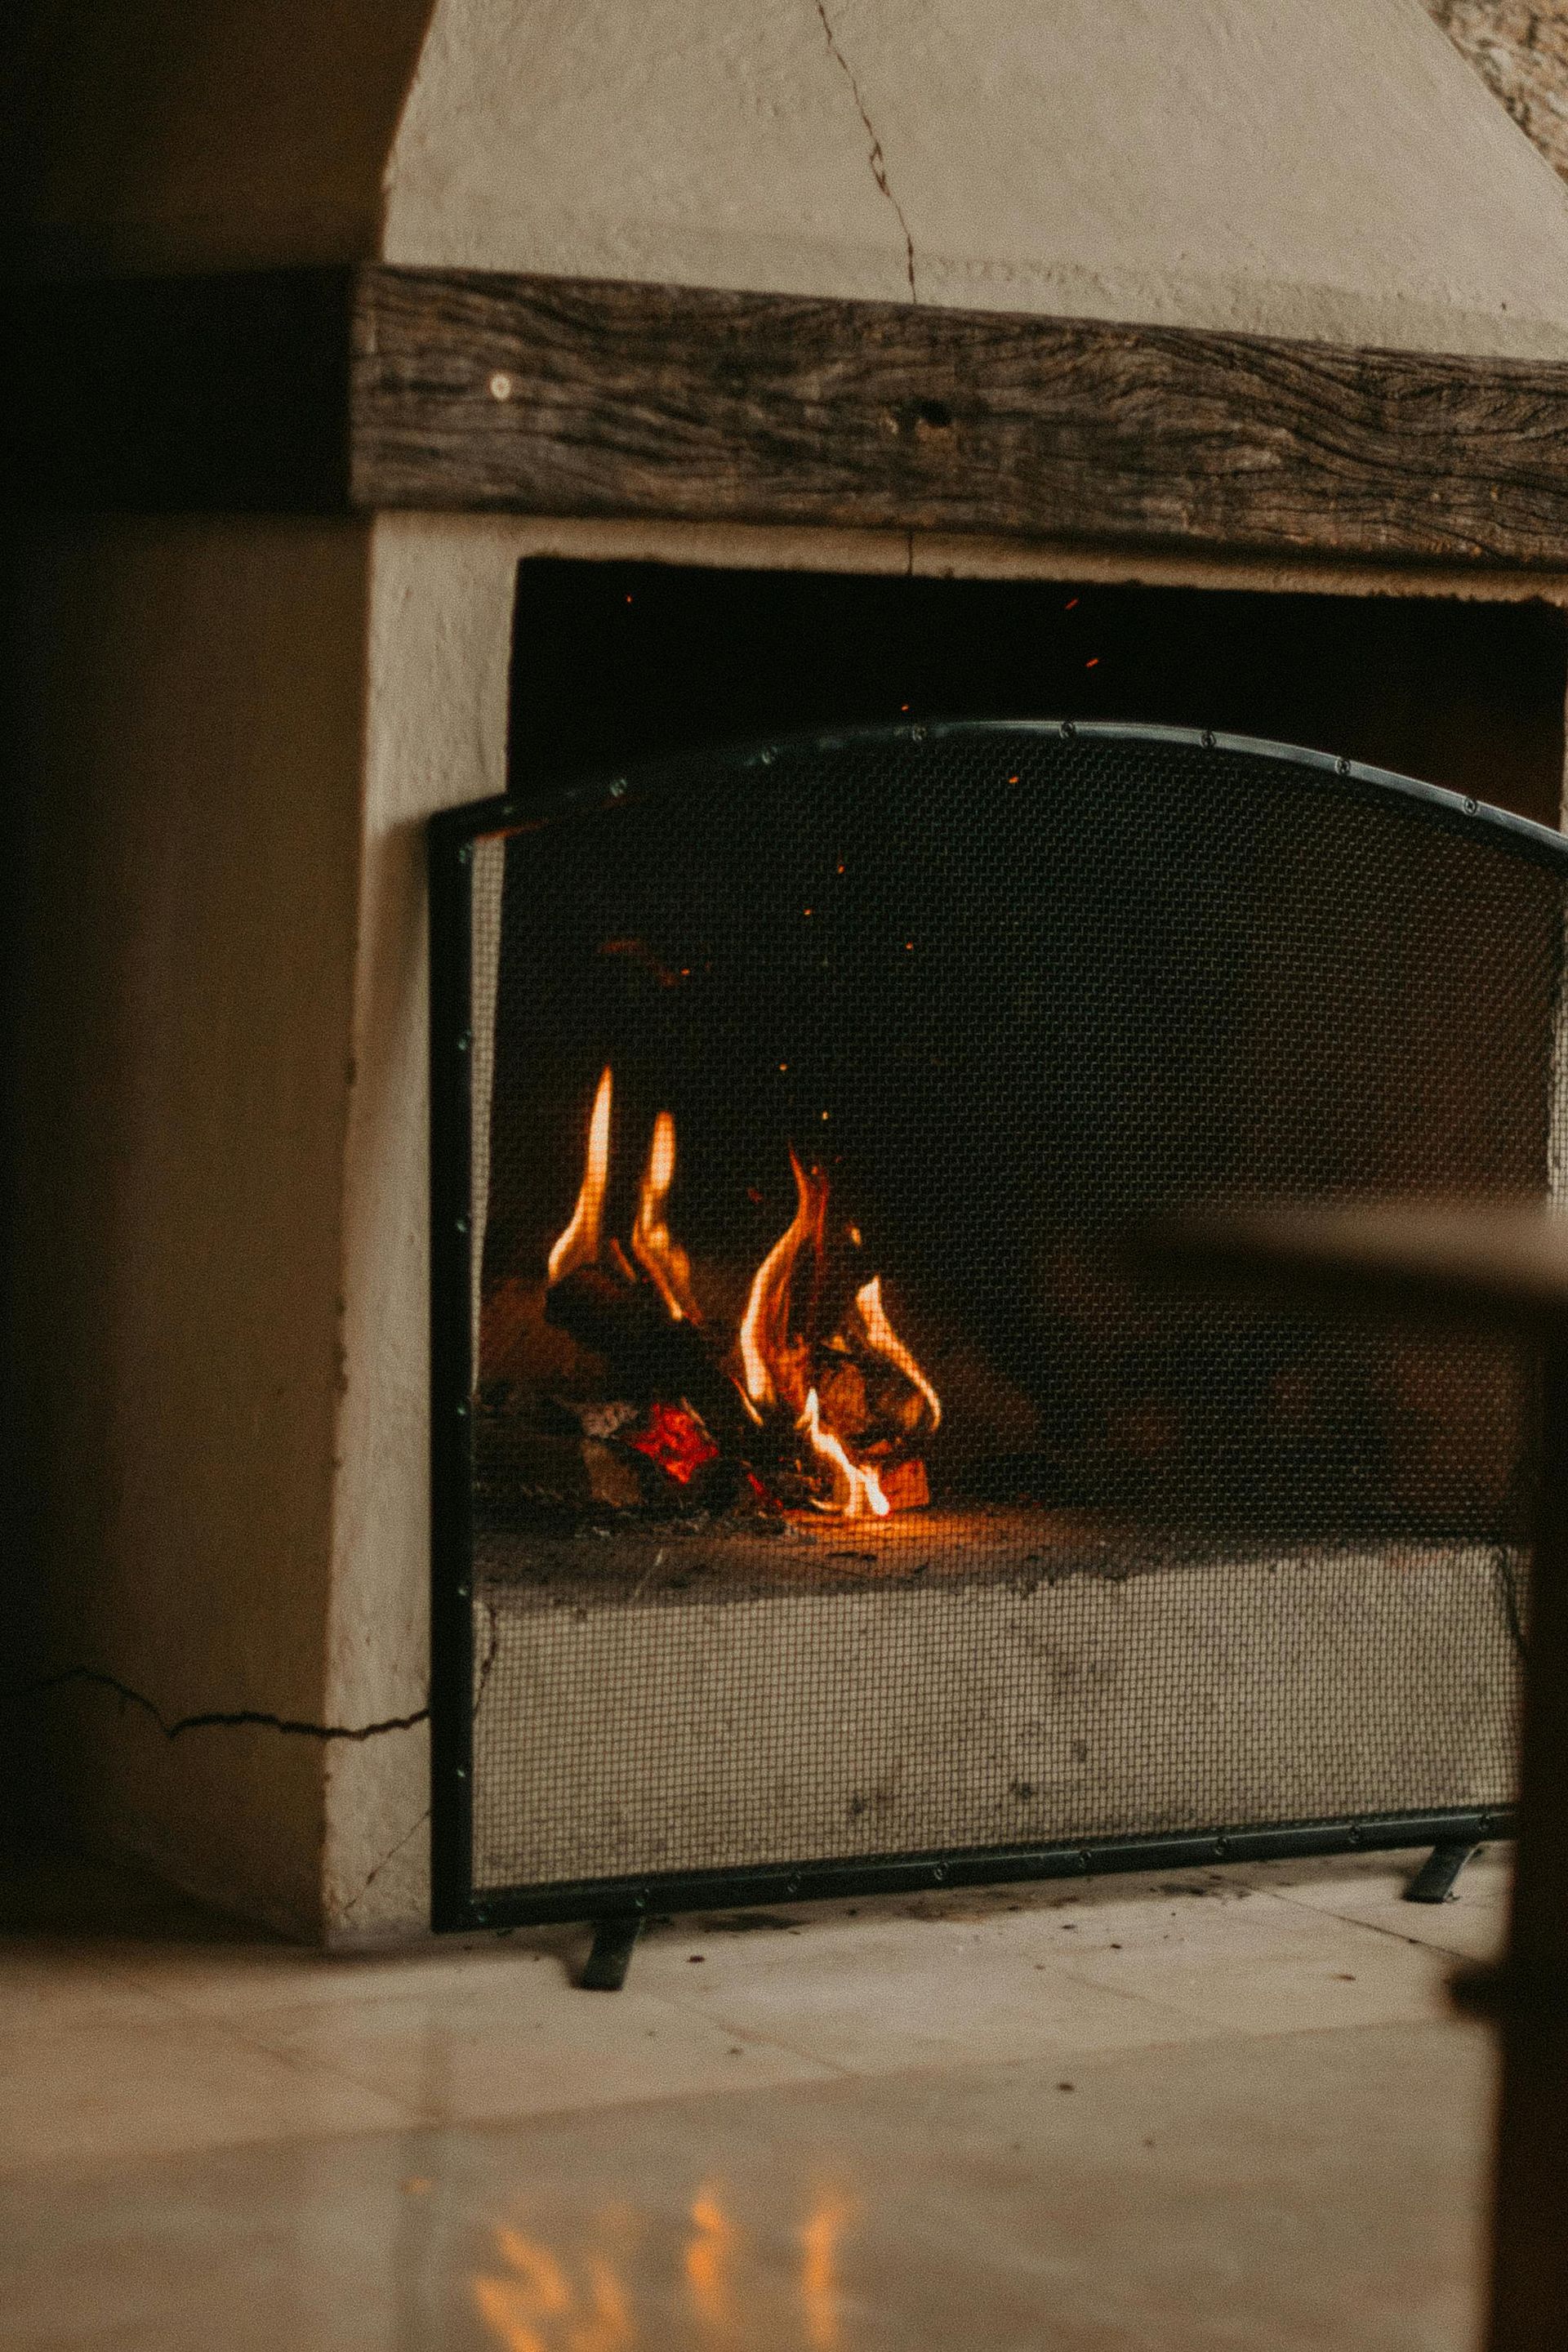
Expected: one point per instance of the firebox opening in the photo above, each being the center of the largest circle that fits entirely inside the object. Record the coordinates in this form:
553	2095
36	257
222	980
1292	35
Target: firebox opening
719	1276
621	662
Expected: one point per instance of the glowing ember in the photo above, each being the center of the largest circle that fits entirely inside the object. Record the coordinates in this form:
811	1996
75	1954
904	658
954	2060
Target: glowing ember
674	1437
579	1245
661	1257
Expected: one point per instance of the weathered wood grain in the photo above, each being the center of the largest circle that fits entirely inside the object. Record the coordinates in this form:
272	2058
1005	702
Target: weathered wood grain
326	391
562	396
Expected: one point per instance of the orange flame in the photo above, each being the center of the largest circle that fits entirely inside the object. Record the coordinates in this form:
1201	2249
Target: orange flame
765	1340
887	1342
780	1346
655	1250
857	1489
579	1245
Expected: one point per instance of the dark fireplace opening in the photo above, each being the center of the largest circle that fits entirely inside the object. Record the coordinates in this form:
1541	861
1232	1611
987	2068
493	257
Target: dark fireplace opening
619	663
824	1493
825	1090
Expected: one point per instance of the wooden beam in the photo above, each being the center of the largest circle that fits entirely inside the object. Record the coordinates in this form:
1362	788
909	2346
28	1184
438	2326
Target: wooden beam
564	396
470	390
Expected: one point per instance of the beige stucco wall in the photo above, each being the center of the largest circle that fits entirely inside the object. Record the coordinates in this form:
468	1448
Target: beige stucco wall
1318	168
190	822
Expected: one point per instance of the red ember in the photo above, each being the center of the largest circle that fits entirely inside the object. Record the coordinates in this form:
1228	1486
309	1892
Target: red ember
675	1439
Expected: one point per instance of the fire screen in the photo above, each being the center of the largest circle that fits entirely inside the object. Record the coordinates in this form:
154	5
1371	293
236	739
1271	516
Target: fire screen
821	1498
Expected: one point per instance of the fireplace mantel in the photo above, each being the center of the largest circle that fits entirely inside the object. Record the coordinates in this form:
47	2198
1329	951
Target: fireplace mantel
459	390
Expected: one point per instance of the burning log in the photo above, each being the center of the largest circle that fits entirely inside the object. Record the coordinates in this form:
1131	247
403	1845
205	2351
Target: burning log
820	1405
648	1358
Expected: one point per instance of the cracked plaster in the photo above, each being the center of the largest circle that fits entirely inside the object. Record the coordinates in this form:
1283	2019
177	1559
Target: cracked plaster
1316	168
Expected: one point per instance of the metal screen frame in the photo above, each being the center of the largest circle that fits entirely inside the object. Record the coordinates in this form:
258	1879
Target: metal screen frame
455	1903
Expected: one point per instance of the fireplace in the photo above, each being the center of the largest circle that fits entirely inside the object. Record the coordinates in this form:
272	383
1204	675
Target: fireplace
353	425
823	1500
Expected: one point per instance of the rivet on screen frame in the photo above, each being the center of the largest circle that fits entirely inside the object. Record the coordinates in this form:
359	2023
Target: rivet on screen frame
465	1038
461	1411
1469	808
1343	766
462	1591
617	786
1208	739
459	1771
1068	731
917	734
465	853
459	1225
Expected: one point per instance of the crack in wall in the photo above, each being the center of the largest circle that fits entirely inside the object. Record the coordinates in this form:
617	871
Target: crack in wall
389	1856
878	161
218	1718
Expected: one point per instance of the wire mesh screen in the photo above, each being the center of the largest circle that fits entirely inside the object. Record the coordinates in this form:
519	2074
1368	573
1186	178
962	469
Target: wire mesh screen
838	1489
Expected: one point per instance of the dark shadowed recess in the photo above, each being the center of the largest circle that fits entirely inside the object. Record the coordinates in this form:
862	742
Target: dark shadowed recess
618	663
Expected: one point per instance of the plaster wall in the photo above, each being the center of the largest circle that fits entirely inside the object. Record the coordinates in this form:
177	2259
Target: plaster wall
189	827
150	134
1312	168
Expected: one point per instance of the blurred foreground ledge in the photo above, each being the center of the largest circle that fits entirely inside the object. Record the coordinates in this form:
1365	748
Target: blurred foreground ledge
1460	1261
1467	1263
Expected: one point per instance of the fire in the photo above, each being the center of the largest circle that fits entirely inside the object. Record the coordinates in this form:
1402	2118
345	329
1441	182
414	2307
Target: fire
661	1256
815	1357
857	1489
579	1245
675	1438
857	1396
887	1342
765	1347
